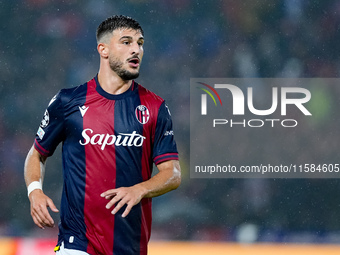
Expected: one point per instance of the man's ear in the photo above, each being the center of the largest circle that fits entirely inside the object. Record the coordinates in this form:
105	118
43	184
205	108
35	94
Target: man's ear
103	50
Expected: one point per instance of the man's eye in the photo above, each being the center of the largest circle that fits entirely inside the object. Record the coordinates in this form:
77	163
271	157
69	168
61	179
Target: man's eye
140	43
125	42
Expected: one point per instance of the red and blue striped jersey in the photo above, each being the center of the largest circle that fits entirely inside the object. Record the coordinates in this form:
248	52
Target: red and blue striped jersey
108	141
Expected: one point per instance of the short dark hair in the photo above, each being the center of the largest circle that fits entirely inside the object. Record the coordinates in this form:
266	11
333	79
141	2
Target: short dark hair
116	22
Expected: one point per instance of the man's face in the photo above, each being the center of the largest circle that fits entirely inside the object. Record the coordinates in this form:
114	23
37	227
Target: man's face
126	53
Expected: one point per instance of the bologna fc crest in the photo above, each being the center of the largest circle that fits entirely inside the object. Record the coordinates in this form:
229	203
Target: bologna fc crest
142	114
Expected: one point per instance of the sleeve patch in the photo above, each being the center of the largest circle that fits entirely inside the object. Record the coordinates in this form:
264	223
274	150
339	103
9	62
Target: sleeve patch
41	133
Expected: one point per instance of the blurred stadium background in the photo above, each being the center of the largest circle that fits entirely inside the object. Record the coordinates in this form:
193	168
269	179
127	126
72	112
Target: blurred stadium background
47	45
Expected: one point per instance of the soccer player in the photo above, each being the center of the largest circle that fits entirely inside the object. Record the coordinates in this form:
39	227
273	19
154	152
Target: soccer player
112	130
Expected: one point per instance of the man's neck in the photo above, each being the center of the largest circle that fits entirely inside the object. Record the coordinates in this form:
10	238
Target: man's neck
112	83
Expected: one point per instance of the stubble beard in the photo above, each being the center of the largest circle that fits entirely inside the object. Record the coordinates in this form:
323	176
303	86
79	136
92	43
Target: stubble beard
117	66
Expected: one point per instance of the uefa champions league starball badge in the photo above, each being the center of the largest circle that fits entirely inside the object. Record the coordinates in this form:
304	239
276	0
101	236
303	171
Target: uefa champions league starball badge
46	120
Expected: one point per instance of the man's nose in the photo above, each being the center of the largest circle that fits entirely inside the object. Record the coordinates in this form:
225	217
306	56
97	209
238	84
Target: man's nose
135	49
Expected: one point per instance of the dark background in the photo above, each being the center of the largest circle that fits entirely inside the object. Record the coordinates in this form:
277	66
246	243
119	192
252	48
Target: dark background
48	45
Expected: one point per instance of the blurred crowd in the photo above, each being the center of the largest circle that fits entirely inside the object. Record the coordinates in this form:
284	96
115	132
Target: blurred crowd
48	45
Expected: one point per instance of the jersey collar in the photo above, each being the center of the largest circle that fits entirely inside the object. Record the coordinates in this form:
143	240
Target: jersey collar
103	93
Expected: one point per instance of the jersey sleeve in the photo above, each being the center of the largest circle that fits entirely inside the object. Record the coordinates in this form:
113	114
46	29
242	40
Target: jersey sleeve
164	143
51	130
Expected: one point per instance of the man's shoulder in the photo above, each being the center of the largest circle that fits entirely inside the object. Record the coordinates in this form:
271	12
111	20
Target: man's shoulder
67	94
149	95
74	90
